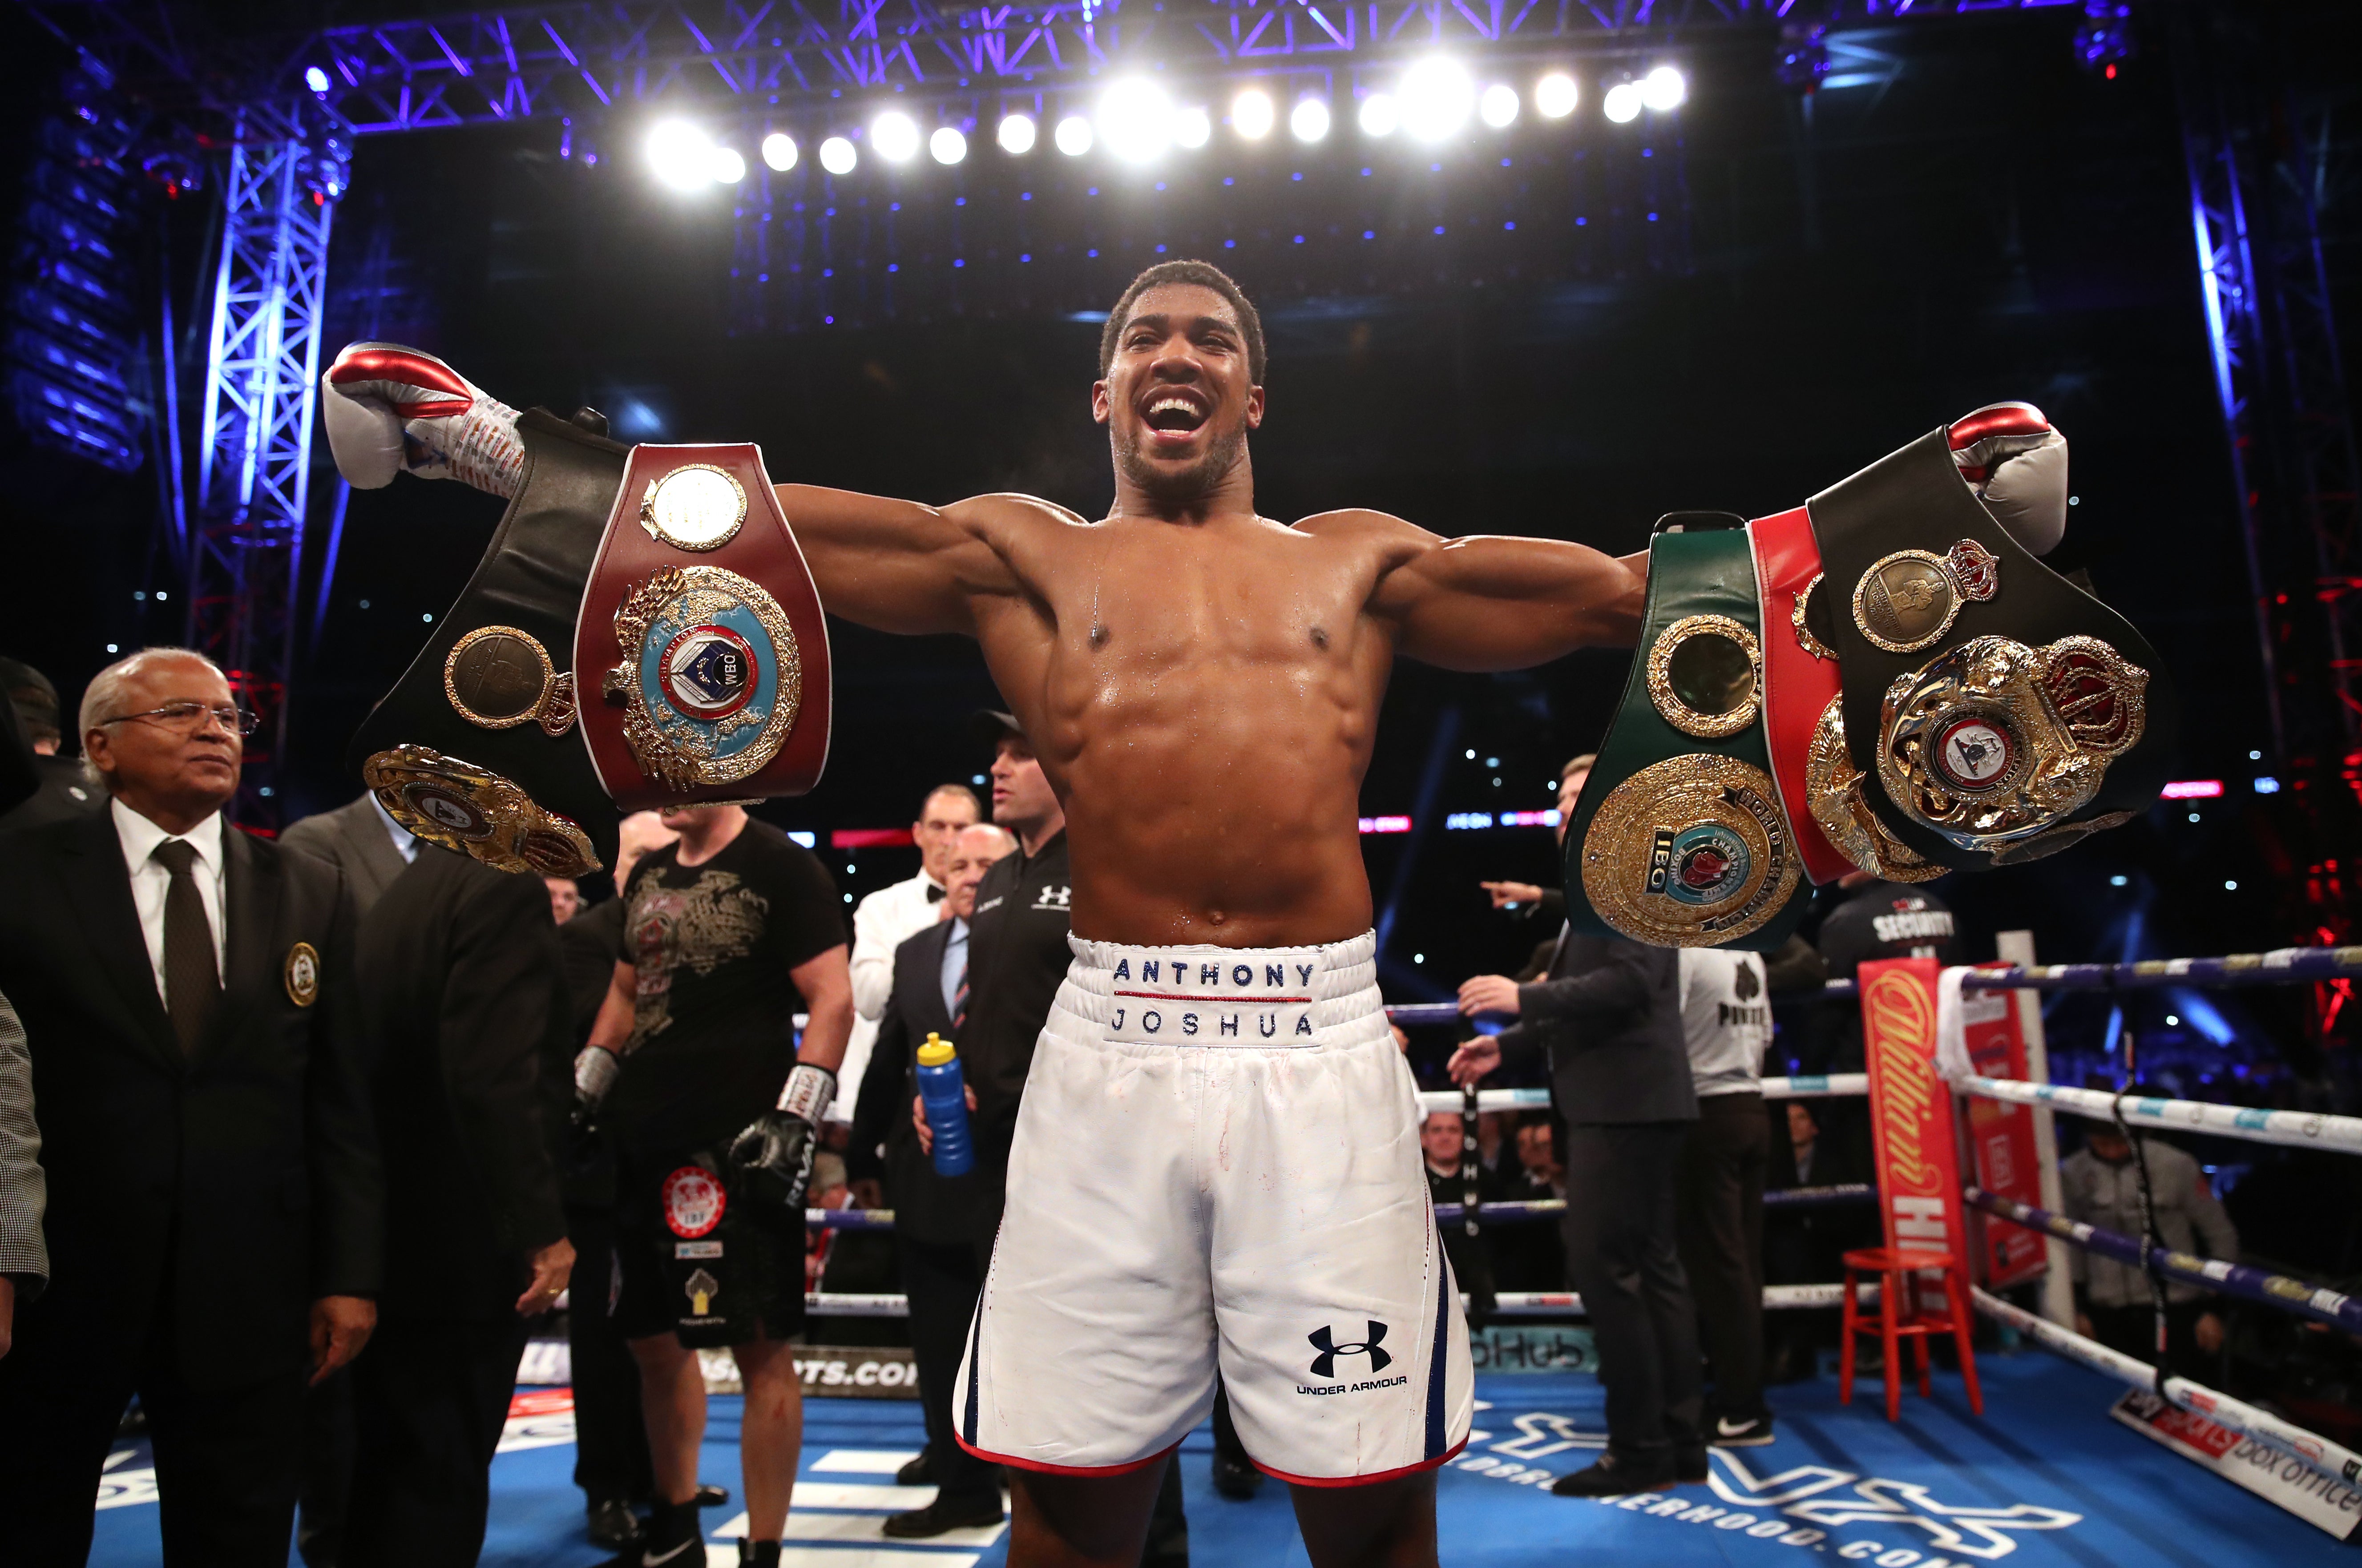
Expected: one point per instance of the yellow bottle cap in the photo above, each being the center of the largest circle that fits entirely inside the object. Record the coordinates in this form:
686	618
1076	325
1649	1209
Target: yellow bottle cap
935	1052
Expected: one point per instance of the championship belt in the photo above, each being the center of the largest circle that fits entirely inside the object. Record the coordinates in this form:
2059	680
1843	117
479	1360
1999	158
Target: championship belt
1680	838
1992	712
641	632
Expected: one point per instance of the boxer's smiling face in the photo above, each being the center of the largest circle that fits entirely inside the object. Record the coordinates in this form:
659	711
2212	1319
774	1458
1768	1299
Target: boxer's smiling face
1178	399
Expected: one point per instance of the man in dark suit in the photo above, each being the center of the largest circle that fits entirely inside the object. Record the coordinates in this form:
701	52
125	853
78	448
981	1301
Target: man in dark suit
214	1185
360	839
60	790
471	1053
937	1226
1609	1015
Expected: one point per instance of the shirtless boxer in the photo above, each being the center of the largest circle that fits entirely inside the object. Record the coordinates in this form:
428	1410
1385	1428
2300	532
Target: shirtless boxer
1217	1160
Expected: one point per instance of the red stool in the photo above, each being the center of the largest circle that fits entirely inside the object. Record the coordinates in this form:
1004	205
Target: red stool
1902	1315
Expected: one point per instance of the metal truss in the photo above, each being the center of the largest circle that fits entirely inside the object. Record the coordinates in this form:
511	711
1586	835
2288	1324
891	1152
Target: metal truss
255	463
579	59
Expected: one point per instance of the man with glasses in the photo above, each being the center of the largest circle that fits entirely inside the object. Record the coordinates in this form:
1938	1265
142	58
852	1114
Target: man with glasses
214	1194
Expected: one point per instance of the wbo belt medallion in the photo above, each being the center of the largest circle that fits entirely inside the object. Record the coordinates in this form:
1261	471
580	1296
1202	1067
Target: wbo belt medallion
712	676
1995	743
473	810
1690	852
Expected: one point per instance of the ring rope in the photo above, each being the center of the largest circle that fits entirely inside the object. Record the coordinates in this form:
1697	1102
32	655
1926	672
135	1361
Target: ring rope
2310	1448
2299	1297
2296	1128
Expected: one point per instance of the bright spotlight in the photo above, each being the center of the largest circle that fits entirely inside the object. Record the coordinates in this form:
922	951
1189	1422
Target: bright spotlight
1555	96
1252	114
1136	120
895	136
1309	121
1622	103
1016	134
1380	115
1438	96
947	145
1073	136
1498	106
1664	88
1193	126
315	78
836	156
779	151
681	155
725	166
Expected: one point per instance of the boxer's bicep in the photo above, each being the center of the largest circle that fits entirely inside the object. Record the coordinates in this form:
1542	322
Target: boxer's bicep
1490	601
897	566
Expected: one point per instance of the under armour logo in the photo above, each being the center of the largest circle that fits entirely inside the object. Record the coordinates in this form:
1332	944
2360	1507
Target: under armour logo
1323	1340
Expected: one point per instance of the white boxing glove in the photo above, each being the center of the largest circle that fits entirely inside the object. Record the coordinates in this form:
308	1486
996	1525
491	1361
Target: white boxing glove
2016	463
389	408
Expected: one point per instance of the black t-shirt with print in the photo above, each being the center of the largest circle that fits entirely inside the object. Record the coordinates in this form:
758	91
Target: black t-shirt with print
714	1035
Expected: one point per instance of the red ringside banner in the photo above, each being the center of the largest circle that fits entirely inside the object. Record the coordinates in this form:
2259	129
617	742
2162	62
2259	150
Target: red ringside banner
2001	1138
1911	1119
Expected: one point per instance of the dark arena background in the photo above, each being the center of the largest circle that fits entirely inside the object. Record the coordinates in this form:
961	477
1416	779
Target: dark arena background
1608	259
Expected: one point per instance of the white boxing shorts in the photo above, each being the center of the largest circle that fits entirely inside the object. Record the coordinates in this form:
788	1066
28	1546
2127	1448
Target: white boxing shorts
1217	1170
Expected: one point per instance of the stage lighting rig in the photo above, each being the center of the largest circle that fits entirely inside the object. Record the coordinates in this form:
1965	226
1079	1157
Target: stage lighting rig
1438	98
1193	126
948	145
1621	103
1309	121
681	155
1073	136
1555	96
1016	135
1380	115
1664	89
779	151
1498	107
895	136
1252	114
726	166
1136	120
836	155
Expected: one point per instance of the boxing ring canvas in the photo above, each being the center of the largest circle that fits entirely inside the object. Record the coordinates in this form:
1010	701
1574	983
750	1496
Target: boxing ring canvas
2045	1480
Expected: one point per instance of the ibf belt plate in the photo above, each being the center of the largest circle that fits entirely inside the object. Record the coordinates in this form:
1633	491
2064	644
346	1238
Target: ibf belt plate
1690	852
713	678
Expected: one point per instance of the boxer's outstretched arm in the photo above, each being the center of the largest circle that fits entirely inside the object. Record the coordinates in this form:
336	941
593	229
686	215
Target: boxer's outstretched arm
896	566
1491	602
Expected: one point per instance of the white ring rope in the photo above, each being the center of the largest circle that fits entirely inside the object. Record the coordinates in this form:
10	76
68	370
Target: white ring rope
2296	1128
2308	1448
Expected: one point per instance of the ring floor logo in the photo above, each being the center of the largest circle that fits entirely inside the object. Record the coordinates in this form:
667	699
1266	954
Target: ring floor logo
1799	1507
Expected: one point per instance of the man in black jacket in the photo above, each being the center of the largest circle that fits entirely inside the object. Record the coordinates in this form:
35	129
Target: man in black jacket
943	1251
472	1072
214	1194
1609	1015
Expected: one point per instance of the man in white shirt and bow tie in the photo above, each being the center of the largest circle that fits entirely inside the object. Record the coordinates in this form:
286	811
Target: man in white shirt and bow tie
892	915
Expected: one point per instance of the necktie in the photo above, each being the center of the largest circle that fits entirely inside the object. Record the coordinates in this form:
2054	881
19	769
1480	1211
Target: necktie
959	1000
192	980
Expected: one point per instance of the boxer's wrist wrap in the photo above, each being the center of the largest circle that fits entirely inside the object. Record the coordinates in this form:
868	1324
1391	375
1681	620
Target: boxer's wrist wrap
807	1091
1679	838
595	1071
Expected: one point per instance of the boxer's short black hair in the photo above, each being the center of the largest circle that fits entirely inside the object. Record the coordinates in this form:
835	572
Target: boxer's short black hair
1205	275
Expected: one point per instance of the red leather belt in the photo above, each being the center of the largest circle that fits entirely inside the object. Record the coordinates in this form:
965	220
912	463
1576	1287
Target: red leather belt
701	656
1800	677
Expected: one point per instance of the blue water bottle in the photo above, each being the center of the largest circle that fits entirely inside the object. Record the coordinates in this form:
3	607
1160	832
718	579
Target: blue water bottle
945	1094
